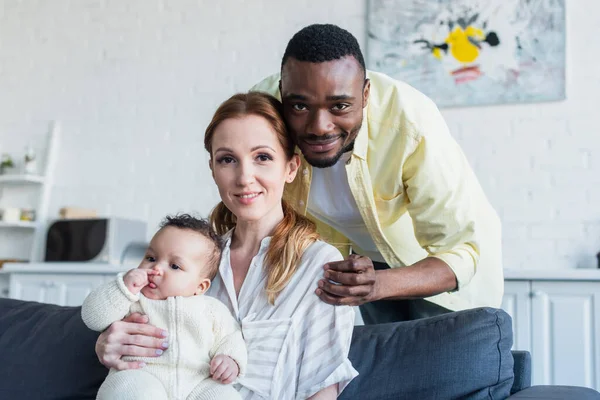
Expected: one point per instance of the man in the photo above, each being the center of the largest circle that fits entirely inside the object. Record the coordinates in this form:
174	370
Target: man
389	185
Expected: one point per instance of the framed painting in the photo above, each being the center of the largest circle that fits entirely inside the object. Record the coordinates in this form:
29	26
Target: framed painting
471	52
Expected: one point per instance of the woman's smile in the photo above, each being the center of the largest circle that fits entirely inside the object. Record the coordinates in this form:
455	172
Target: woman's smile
247	198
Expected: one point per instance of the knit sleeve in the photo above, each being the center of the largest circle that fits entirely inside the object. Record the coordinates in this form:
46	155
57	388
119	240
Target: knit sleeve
106	304
228	336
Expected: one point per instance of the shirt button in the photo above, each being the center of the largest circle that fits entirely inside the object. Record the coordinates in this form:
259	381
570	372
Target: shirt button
301	203
305	171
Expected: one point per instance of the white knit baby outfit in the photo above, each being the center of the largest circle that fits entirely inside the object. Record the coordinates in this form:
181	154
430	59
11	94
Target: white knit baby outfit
199	327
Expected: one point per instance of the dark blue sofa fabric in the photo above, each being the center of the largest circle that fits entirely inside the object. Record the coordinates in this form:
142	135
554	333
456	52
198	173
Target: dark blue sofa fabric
462	355
522	370
46	352
556	393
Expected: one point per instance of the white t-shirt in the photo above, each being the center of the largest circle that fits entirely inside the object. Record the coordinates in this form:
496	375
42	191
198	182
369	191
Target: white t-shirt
299	345
331	201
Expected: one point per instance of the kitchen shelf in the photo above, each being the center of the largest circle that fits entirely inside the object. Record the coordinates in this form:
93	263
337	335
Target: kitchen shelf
42	182
22	178
19	224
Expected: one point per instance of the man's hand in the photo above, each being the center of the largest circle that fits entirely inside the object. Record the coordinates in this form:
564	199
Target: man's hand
137	278
359	283
223	369
356	278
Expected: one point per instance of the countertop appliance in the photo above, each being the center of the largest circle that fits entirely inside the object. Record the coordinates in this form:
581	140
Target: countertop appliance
97	240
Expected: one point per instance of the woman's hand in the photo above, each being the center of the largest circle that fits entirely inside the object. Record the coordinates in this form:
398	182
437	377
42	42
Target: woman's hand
224	369
130	337
329	393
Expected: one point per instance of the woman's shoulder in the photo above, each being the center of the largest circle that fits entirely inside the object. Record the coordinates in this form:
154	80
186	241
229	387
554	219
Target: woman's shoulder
321	251
315	256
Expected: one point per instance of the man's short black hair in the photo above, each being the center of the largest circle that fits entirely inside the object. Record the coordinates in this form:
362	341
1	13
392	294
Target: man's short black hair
323	42
203	227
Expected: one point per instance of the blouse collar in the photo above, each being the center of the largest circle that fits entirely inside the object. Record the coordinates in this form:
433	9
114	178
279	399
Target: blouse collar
264	243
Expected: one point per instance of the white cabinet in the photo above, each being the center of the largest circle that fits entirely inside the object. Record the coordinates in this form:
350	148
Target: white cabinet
558	321
60	289
3	286
565	339
65	284
516	302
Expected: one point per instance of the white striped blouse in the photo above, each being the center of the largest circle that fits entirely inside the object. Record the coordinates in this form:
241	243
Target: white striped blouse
297	346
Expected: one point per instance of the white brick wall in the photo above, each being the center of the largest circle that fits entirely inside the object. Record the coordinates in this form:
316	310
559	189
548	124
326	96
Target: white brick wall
135	82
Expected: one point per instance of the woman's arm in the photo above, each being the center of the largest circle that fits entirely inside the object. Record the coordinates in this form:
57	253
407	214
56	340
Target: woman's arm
130	337
327	332
330	392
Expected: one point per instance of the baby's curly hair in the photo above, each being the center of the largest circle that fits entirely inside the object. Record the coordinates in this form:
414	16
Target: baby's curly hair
203	227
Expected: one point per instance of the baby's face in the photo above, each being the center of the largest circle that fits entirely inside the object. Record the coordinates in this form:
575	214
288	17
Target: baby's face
180	257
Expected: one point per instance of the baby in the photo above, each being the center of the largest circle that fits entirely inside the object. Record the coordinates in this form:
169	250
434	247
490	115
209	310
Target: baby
204	339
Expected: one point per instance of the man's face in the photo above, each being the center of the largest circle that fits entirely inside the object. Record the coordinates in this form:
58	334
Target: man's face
323	106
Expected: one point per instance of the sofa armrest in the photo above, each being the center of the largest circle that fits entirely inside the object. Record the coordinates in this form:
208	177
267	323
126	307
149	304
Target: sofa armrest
556	393
522	369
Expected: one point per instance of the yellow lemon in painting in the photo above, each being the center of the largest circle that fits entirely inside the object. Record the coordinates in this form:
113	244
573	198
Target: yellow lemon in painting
461	47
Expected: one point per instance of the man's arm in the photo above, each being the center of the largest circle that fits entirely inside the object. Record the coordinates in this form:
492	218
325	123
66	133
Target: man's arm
361	283
424	278
438	184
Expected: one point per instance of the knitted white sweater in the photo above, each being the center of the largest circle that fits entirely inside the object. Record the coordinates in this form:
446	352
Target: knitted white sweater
199	327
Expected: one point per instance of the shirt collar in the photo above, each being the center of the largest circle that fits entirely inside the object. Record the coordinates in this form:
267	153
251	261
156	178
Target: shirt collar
226	274
361	143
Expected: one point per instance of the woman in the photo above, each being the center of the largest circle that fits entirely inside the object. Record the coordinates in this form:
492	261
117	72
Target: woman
297	345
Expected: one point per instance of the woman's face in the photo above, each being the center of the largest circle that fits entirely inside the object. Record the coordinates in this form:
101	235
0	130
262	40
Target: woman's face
250	167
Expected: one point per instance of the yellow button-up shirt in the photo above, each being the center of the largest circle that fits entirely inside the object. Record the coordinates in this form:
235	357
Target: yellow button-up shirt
416	193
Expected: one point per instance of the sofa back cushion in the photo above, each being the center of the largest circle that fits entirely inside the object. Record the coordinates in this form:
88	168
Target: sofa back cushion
461	355
47	353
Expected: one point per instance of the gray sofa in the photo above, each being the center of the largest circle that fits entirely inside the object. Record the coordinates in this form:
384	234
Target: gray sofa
47	353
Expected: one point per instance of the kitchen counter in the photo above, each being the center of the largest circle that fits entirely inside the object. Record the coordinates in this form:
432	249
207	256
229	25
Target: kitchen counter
572	274
64	268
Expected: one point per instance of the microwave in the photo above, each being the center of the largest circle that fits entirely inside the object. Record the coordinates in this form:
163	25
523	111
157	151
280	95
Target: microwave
97	240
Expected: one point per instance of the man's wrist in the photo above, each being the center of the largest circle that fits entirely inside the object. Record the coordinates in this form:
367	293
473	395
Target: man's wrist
377	293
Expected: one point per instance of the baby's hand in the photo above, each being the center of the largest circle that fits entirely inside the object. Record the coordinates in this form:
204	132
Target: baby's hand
224	369
136	279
